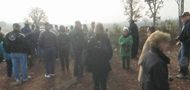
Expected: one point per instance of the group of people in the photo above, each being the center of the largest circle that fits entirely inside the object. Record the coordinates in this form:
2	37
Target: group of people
93	49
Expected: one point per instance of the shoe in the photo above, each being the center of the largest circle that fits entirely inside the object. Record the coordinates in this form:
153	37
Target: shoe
8	78
18	81
180	76
29	77
52	75
57	59
47	76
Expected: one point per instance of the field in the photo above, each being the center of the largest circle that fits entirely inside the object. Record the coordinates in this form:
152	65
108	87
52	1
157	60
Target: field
119	79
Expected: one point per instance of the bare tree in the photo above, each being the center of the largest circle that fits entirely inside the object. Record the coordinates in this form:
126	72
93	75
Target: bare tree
180	4
37	15
132	9
154	6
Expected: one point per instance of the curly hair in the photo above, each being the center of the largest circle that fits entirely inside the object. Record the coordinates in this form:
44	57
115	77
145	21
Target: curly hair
158	37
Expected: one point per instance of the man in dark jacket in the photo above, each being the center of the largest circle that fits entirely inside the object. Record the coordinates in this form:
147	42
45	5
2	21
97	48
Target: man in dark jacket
91	32
48	42
17	46
37	34
77	40
30	37
184	38
135	34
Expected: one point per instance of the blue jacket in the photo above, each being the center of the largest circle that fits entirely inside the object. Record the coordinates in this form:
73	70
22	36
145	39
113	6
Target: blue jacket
2	50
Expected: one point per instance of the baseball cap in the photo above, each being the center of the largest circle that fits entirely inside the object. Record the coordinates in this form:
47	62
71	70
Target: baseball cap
184	14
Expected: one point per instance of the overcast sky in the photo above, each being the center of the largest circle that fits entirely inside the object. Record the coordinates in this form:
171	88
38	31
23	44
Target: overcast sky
68	11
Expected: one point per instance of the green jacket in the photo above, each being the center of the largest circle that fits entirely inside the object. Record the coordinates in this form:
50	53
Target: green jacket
77	39
128	40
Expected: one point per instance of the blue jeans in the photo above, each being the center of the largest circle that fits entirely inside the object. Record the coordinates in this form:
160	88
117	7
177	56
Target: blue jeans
49	59
22	59
78	68
183	58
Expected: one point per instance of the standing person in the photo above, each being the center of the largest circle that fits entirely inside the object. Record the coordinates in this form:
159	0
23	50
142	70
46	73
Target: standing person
91	32
56	28
48	42
63	43
77	40
70	35
37	34
184	38
30	37
126	42
107	32
17	46
99	53
155	70
146	48
135	34
1	39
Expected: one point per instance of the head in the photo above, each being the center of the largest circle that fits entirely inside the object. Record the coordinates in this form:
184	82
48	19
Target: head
27	23
78	25
33	26
16	27
56	27
93	24
184	17
106	30
71	27
150	30
51	26
62	28
85	27
99	29
37	27
160	40
131	21
47	26
125	31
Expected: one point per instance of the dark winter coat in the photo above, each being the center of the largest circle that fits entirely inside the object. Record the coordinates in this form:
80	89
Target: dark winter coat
155	71
16	42
77	39
29	33
184	36
63	42
99	52
48	39
1	36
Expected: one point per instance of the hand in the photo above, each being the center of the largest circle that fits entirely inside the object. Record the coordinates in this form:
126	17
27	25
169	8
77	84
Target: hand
177	43
29	56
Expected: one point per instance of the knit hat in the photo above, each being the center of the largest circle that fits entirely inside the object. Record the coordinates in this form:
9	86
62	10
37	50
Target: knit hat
125	28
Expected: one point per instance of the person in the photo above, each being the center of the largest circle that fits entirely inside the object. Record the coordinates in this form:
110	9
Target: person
155	70
184	39
7	59
56	28
146	48
70	35
77	40
30	36
33	27
18	47
107	32
48	42
37	34
125	42
135	34
71	27
99	53
1	39
63	43
53	30
91	32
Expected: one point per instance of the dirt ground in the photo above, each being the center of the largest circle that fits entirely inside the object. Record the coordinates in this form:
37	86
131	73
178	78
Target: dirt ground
118	79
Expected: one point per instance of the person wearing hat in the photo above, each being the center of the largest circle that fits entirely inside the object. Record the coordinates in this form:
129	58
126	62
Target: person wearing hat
30	37
125	42
184	39
135	34
77	39
48	43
